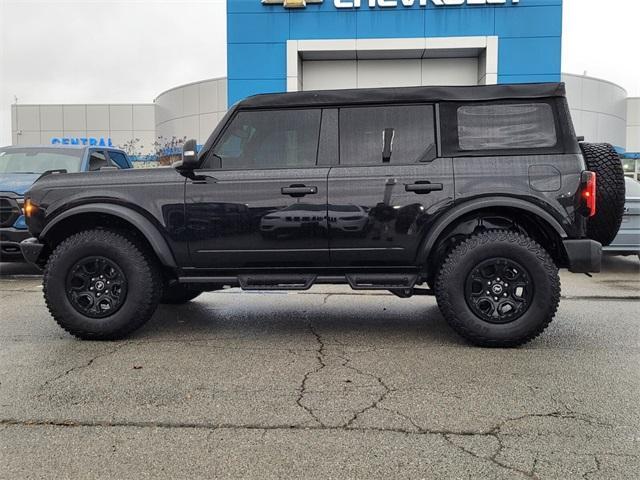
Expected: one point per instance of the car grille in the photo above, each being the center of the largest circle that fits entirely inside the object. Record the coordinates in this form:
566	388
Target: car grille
9	211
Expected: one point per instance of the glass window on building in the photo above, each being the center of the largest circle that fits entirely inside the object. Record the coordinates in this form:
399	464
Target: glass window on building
631	168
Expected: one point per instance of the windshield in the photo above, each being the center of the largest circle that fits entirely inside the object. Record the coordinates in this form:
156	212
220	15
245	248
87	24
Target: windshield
39	160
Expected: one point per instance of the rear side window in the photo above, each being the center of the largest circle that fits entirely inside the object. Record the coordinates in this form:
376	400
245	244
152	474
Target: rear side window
505	127
270	139
362	134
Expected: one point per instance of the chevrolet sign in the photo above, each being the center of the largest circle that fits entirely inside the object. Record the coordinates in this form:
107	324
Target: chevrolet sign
388	3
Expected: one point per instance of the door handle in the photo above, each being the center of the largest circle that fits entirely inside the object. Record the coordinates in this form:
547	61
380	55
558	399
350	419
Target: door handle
423	187
299	190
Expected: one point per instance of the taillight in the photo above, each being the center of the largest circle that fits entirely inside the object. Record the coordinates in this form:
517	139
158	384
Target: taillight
588	193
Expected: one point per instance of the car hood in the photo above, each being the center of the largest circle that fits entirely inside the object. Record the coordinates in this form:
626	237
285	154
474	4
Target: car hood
17	183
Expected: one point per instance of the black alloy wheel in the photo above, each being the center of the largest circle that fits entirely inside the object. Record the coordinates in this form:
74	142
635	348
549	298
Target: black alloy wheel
96	287
499	290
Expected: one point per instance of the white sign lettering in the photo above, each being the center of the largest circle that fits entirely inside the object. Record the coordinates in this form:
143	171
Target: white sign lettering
422	3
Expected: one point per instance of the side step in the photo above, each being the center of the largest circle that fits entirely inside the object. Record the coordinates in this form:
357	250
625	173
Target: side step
276	282
381	281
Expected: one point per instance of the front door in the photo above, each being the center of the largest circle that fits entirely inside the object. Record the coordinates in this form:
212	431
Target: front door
389	186
260	199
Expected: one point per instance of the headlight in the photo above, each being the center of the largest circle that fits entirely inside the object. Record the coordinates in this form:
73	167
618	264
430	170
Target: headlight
29	208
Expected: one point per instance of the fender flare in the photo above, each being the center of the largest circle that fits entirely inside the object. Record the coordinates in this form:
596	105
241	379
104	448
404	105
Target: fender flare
479	204
146	228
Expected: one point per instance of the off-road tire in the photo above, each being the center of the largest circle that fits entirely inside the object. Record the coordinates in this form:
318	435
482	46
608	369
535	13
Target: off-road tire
138	266
602	159
458	265
178	294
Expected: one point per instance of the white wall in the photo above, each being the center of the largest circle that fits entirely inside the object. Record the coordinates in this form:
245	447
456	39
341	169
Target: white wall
38	124
598	109
191	110
336	74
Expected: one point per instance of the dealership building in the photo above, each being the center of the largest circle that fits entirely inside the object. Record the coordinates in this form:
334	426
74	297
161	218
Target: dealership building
294	45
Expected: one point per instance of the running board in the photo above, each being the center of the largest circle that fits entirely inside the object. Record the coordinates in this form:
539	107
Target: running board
381	281
398	282
276	282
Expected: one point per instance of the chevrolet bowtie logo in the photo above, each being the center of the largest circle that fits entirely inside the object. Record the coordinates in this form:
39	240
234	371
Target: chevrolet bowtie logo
291	3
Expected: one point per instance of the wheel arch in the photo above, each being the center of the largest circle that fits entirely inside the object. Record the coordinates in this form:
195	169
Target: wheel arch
104	214
534	220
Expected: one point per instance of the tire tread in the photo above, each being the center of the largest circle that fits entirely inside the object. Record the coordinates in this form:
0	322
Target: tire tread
478	240
139	258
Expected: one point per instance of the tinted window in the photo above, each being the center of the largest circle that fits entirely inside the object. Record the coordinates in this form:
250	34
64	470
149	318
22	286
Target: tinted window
97	160
504	127
119	159
362	134
270	139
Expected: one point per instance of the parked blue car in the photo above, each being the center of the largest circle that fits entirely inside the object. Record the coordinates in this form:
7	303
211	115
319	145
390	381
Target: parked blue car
20	167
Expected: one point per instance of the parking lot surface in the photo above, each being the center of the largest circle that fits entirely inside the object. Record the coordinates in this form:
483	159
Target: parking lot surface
322	384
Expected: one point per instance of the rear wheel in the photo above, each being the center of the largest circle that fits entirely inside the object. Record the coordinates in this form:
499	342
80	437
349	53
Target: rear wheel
603	159
101	285
498	289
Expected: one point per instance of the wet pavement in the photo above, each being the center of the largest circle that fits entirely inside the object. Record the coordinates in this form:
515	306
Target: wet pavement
322	384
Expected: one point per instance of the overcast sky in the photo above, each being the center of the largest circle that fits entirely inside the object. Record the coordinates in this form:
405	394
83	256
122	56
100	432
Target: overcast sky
101	51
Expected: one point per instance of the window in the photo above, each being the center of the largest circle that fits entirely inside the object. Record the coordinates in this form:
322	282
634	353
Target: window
362	137
119	159
506	126
97	160
39	160
270	139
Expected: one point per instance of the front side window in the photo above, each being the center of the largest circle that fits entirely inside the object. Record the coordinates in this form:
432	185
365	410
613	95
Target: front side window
506	126
410	134
270	139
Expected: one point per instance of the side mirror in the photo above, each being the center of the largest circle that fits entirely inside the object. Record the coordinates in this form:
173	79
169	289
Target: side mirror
189	156
387	144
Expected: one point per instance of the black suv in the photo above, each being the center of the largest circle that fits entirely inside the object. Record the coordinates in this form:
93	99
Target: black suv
478	193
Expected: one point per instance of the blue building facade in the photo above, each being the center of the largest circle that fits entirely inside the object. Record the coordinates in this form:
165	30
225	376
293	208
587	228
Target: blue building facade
528	34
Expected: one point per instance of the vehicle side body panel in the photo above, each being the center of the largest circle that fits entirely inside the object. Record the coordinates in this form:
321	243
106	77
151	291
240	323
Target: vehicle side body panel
397	219
156	195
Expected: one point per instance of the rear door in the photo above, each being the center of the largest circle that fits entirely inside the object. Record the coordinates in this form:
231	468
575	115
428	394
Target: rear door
260	198
388	187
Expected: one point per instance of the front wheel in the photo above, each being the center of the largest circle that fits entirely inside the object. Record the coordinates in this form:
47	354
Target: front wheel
101	285
498	289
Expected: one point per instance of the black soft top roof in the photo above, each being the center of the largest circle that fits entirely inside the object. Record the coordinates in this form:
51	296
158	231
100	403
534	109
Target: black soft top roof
404	95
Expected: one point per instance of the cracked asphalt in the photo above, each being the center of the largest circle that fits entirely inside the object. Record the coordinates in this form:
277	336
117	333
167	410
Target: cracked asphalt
322	384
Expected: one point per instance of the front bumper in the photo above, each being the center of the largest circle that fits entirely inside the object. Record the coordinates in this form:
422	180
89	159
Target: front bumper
585	256
31	249
10	239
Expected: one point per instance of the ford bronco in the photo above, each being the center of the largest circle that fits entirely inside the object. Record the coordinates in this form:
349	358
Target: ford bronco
477	195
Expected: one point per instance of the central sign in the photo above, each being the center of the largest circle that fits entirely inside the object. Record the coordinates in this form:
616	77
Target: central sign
388	3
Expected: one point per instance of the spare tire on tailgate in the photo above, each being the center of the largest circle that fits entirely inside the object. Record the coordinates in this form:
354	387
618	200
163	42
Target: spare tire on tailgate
603	159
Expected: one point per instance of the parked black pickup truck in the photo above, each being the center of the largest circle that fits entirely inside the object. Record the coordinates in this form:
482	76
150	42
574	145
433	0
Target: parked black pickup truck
478	193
